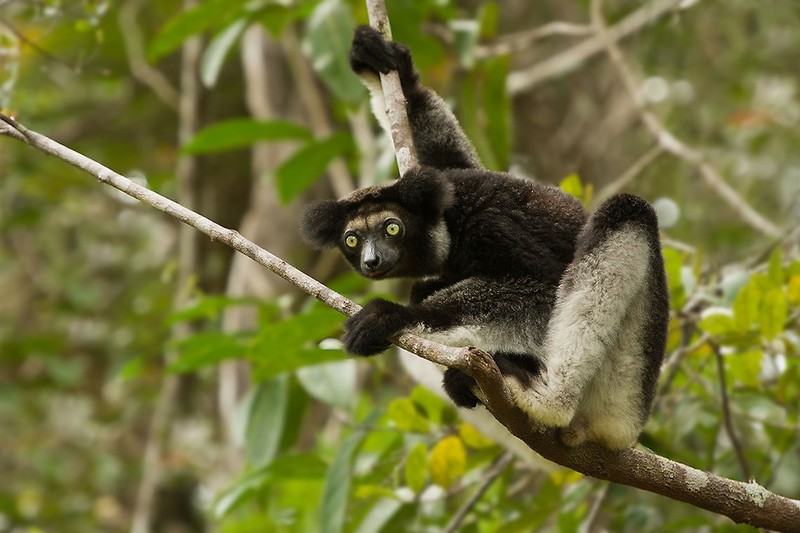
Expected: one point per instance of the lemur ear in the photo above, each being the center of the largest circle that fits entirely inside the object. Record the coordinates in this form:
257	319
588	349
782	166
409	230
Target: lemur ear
321	223
425	190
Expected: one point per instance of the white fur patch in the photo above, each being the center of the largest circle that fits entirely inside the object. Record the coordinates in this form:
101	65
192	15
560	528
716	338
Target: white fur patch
593	347
373	83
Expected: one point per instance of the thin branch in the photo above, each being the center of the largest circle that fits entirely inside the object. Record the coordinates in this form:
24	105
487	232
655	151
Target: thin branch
726	412
742	502
588	524
517	42
668	141
492	473
567	61
340	178
393	96
134	51
634	170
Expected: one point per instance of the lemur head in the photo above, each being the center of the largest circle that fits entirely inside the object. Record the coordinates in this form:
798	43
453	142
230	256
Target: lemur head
394	230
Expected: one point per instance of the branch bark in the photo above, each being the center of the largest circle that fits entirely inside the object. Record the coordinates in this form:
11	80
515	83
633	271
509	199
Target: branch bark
747	503
393	96
567	61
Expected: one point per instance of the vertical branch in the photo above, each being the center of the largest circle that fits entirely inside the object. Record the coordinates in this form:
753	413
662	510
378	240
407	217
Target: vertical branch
726	413
393	96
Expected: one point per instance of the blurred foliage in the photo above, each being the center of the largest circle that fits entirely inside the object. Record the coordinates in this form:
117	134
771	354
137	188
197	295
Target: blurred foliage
87	277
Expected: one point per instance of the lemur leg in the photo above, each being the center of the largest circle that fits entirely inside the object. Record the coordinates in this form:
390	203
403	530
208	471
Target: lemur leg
609	273
438	138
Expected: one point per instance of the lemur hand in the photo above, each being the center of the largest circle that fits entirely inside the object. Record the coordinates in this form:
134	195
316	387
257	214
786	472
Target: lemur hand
369	329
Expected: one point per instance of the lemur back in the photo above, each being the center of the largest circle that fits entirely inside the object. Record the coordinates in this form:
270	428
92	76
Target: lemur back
573	308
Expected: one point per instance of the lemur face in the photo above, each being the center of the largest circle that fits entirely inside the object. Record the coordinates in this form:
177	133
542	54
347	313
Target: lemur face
372	243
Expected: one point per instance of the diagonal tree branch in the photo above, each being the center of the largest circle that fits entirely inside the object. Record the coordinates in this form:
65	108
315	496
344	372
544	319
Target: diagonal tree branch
570	59
742	502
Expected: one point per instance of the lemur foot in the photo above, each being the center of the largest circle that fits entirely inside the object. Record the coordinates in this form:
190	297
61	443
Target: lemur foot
459	387
370	51
543	403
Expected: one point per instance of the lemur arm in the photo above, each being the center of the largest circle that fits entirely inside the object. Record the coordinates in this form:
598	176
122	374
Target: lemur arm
438	138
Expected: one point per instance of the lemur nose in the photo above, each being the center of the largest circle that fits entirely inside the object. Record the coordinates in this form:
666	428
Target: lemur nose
373	262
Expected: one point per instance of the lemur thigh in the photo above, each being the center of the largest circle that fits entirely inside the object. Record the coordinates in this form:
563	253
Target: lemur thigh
592	308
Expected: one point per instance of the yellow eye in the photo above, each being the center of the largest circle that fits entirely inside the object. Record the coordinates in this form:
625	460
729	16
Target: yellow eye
392	229
351	241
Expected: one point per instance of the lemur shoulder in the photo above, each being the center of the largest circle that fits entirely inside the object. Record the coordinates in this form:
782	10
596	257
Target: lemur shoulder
573	308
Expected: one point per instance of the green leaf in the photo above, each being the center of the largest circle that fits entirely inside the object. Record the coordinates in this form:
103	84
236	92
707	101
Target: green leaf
744	368
432	404
472	121
217	50
290	344
265	421
332	383
206	15
497	106
406	417
236	494
305	166
774	311
717	322
447	462
379	516
473	438
416	468
209	307
276	17
775	270
488	18
303	466
328	37
746	306
243	132
465	38
204	349
333	508
572	185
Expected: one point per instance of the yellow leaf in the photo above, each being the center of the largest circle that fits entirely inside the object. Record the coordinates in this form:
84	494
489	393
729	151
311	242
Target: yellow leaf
473	438
794	289
564	477
406	417
572	185
447	461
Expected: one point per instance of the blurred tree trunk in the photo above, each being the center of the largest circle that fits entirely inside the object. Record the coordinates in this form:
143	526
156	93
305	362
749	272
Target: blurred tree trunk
269	95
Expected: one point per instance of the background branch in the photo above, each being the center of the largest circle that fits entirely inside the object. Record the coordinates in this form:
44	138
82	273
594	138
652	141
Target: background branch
668	141
567	61
393	96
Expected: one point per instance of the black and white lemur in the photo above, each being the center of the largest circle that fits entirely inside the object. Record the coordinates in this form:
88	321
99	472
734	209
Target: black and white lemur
573	308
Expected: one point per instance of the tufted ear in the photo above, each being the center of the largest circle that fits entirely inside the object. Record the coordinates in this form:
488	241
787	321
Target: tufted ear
425	190
321	223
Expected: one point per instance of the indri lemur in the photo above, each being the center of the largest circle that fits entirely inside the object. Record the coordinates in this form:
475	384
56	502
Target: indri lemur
572	307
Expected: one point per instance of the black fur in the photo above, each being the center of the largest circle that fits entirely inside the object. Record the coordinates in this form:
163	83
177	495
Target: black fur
493	249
